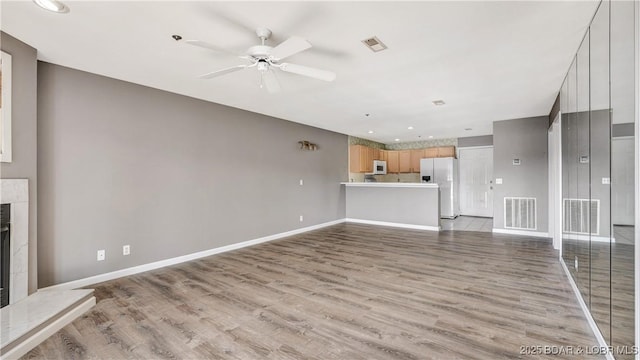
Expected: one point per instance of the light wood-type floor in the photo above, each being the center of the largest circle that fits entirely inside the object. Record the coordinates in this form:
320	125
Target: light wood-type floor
468	223
349	291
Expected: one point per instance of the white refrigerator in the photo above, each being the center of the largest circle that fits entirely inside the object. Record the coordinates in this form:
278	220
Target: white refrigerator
444	172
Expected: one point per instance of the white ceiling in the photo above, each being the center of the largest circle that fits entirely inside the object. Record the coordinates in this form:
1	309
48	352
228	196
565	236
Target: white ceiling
487	60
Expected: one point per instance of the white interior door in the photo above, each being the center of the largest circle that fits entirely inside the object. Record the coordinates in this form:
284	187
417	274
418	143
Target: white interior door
476	181
622	181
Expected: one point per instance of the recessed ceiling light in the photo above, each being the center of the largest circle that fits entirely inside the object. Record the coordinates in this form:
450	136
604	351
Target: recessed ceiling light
397	139
467	129
52	5
410	128
438	102
430	136
370	131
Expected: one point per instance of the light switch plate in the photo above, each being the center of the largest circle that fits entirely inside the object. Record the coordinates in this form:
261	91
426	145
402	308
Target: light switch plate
606	181
516	162
498	181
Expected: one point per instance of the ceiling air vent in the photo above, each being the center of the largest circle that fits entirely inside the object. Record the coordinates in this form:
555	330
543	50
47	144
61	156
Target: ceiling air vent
374	44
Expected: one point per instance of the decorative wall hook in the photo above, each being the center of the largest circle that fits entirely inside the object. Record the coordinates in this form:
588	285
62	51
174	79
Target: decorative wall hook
306	145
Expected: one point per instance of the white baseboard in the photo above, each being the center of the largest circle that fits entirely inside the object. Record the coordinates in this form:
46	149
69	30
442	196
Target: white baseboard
588	238
75	284
522	232
393	224
585	310
44	333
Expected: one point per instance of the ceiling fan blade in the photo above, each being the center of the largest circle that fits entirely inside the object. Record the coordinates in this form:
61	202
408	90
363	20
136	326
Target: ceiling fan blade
308	71
222	72
271	82
206	45
291	46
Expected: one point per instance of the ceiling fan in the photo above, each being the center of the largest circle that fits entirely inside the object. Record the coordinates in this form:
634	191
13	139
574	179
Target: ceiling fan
266	59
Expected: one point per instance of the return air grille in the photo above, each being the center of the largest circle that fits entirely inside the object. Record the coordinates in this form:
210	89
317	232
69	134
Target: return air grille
581	216
520	213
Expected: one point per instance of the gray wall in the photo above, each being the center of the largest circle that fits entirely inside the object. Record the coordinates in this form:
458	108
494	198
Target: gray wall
24	163
524	139
170	175
619	130
484	140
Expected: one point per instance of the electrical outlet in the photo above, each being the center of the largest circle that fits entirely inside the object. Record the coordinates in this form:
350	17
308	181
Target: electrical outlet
606	181
126	249
301	218
301	182
101	255
498	181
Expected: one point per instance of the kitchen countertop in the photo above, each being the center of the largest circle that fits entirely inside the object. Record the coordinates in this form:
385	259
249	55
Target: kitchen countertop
391	184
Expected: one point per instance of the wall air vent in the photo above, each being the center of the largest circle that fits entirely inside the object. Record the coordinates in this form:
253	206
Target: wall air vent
581	216
520	213
374	44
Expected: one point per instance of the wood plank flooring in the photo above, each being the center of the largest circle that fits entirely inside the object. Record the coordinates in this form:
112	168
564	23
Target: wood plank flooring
349	291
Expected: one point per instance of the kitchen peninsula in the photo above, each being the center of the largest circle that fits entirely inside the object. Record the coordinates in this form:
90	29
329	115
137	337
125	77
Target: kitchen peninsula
408	205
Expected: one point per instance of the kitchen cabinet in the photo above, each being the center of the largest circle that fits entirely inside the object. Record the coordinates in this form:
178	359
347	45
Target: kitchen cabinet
377	154
398	161
431	152
416	155
393	161
404	161
360	159
447	151
440	152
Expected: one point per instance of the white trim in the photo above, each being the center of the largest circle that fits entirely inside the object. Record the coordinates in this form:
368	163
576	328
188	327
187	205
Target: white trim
555	182
393	224
583	237
392	184
471	148
44	333
5	143
180	259
637	171
521	232
601	342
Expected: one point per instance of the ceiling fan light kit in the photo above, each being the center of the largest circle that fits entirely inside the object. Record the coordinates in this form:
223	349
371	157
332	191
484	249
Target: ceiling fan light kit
52	5
266	58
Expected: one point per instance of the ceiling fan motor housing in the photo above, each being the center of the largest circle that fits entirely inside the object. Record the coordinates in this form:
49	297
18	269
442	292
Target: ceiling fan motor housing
260	51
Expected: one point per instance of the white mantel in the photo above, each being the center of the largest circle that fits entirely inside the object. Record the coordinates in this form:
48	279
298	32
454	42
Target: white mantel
16	193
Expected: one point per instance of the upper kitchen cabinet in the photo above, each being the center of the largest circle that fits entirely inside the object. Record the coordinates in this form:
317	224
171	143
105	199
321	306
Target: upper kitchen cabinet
404	161
447	151
431	152
360	159
416	155
393	161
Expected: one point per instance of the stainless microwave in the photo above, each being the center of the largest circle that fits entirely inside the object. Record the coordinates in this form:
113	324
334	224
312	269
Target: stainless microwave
379	167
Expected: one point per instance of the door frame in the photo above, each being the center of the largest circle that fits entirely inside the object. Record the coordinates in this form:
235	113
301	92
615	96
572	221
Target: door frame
554	149
458	149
